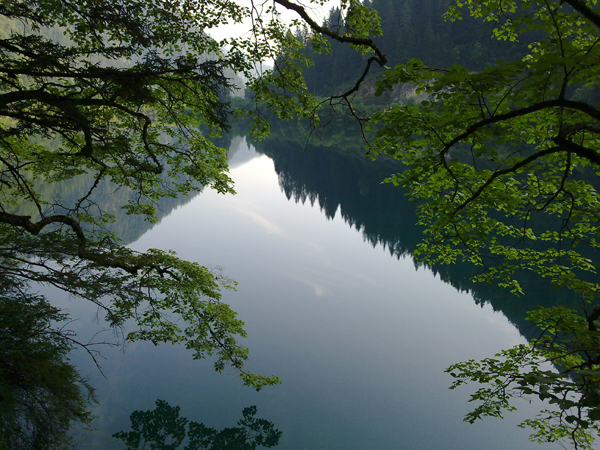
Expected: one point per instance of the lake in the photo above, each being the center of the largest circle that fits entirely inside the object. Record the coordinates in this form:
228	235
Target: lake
333	305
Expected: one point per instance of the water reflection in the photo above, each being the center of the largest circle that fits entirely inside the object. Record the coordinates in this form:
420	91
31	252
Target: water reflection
340	181
163	429
335	176
359	338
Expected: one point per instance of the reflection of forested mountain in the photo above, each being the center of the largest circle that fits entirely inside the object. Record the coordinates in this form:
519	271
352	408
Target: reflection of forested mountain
109	200
335	176
341	183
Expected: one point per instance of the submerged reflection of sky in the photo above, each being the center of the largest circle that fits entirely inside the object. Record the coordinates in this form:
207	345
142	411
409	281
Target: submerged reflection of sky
359	338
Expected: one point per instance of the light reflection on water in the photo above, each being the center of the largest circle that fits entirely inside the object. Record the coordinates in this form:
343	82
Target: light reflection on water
359	338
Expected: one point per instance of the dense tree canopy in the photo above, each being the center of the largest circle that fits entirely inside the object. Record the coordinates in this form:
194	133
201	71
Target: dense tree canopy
505	160
121	96
409	29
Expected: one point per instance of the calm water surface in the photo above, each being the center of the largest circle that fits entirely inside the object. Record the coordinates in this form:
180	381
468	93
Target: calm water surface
359	338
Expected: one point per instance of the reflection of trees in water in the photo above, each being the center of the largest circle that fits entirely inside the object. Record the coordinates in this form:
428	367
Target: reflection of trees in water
163	429
109	200
41	394
342	183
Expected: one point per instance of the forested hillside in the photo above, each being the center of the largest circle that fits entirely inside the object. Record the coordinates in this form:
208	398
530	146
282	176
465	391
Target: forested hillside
411	29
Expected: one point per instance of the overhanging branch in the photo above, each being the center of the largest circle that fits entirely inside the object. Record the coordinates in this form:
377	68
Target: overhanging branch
584	10
34	228
499	173
367	42
562	103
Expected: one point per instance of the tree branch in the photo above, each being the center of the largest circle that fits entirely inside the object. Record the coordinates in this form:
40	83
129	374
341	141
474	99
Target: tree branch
584	10
581	151
499	173
24	222
570	104
367	42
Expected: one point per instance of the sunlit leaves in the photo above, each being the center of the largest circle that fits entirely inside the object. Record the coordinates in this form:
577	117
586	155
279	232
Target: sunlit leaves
126	93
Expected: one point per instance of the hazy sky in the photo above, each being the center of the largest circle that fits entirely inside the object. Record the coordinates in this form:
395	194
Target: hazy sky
316	12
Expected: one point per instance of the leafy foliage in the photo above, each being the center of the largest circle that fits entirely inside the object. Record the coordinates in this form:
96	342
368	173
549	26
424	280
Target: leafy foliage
408	29
505	162
120	97
567	341
124	94
499	151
